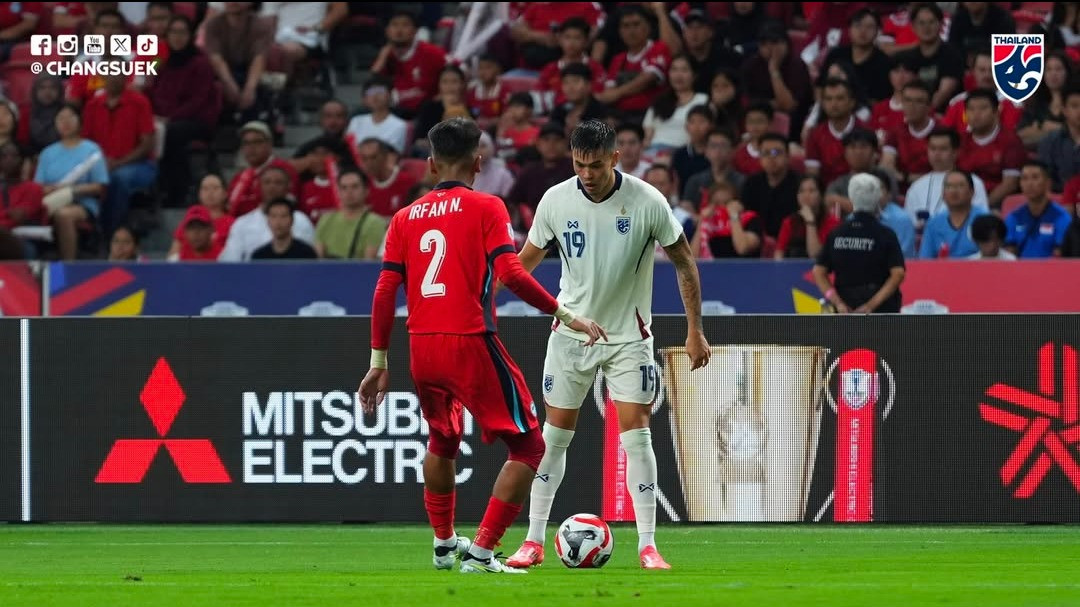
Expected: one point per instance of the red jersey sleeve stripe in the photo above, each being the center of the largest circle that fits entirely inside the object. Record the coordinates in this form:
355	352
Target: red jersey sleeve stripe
500	250
394	267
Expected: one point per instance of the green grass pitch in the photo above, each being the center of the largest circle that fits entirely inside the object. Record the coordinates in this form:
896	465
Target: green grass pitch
390	566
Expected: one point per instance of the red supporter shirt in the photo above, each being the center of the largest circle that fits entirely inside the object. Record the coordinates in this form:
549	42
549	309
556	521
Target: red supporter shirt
27	196
447	246
386	197
189	254
716	233
825	148
747	159
75	9
415	74
118	129
12	13
245	193
787	231
997	156
317	198
956	115
547	16
654	58
1071	195
898	27
884	117
910	148
486	103
551	79
222	225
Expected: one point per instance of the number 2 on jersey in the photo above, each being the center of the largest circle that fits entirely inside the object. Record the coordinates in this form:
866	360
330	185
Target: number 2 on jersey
574	240
433	240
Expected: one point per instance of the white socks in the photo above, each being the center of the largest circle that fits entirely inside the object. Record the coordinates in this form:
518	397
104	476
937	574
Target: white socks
548	478
641	482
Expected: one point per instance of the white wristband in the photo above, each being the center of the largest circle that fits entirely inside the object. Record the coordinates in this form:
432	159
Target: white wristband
378	359
565	316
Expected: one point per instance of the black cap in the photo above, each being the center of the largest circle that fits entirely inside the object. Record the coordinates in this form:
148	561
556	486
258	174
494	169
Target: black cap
553	128
772	31
697	16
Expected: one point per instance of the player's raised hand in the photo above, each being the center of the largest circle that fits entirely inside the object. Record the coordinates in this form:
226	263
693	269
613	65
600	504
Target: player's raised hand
697	348
590	328
373	389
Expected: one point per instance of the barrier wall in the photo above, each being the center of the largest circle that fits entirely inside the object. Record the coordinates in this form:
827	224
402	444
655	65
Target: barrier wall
328	288
939	418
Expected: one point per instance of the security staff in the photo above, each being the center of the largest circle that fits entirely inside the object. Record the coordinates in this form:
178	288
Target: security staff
864	255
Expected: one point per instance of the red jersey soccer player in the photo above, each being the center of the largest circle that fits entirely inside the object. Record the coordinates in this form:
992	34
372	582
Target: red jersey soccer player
449	247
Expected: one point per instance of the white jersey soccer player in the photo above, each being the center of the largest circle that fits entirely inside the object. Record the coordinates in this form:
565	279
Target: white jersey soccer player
605	225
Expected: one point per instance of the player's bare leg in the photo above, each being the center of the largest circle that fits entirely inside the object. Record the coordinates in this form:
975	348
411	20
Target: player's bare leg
439	498
558	432
636	439
507	497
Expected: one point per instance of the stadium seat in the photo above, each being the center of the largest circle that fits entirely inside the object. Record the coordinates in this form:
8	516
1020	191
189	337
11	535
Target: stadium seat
416	167
18	82
1011	203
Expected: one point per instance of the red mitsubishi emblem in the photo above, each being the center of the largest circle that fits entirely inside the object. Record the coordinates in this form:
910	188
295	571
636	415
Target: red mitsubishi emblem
130	458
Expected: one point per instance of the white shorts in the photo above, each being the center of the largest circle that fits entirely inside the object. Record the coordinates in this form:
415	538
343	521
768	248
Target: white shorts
570	370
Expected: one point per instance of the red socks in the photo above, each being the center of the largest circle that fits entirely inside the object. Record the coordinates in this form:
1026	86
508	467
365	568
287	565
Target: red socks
497	518
440	511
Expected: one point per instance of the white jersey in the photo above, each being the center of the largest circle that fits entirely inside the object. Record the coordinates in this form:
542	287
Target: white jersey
607	252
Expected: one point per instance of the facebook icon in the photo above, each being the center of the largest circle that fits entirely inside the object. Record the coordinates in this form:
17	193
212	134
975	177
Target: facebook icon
40	45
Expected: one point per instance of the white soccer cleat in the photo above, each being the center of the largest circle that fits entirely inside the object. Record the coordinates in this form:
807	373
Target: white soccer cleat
471	564
444	557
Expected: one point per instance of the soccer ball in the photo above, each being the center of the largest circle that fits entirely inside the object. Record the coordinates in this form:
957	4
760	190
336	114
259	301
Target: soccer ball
584	541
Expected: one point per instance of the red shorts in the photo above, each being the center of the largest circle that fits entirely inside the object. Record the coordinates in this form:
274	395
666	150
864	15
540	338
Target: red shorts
475	371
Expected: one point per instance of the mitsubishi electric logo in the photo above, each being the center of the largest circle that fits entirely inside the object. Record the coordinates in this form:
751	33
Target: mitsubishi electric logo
1048	422
130	458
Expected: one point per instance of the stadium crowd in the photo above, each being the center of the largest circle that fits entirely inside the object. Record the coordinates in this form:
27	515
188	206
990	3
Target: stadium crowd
750	117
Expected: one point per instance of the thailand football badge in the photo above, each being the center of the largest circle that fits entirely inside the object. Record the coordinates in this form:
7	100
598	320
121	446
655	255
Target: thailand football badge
622	224
1018	64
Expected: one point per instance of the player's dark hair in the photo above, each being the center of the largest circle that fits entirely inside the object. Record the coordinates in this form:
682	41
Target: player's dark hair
986	94
633	128
1042	166
593	136
351	170
919	7
770	136
454	141
408	14
761	107
575	69
985	226
280	202
131	232
863	14
522	98
835	82
967	177
861	136
954	137
722	132
703	111
575	23
631	9
277	169
383	146
919	85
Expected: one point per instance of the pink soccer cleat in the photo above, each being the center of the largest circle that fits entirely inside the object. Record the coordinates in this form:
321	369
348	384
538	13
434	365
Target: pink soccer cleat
530	554
651	559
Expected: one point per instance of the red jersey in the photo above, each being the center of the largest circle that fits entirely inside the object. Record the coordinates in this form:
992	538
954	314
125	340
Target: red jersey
222	226
825	149
386	197
898	27
547	16
655	59
317	198
1071	195
910	148
747	159
789	232
189	254
955	117
993	157
245	193
447	245
886	116
25	195
486	102
12	13
550	82
415	74
118	129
